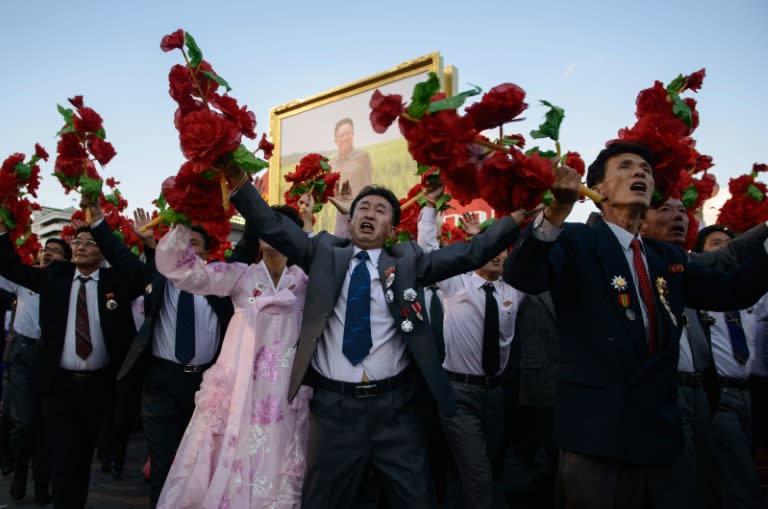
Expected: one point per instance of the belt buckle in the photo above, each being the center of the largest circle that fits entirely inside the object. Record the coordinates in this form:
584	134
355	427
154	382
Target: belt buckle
365	391
80	375
188	368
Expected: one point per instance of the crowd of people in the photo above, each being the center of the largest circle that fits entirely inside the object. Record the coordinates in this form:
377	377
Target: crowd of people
310	369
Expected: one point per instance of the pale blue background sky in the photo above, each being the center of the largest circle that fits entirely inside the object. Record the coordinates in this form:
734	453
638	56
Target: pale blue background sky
589	57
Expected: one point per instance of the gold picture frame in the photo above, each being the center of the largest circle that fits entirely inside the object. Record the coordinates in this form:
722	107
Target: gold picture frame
314	124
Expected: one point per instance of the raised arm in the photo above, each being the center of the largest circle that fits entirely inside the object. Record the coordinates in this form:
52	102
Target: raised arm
176	260
736	252
11	266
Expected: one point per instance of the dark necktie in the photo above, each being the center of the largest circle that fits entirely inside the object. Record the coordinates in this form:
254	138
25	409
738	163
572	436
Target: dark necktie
357	319
491	353
83	345
436	321
738	339
185	327
645	292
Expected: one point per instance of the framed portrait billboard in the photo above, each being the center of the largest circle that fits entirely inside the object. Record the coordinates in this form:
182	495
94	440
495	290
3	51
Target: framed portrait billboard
336	124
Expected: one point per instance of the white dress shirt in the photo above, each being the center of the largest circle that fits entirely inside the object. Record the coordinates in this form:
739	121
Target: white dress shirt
206	329
464	309
387	356
685	361
726	363
99	357
27	319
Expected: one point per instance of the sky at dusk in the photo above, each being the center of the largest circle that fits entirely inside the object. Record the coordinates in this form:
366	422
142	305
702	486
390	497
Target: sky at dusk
589	57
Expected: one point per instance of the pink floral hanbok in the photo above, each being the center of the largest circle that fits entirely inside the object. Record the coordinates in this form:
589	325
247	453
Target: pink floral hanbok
245	445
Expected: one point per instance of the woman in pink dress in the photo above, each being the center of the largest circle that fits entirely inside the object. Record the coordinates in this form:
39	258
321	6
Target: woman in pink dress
245	445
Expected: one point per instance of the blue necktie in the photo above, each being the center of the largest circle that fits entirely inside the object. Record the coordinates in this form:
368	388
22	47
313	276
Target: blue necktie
185	327
738	339
357	320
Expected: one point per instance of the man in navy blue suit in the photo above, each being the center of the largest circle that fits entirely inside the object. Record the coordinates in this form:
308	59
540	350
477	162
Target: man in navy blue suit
619	301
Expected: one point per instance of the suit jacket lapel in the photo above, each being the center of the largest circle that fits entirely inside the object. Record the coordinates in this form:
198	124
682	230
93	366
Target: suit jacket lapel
665	329
614	263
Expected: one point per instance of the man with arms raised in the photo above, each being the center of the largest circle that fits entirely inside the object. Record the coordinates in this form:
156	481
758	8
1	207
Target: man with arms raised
619	302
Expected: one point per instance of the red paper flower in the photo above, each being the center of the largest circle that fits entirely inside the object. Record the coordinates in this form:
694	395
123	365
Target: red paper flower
102	150
747	205
172	41
87	120
384	110
573	160
266	146
205	135
312	175
450	235
694	81
501	104
509	183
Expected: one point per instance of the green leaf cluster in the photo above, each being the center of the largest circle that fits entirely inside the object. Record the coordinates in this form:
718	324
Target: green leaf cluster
169	216
23	170
218	79
422	95
195	53
67	113
546	154
452	103
690	195
552	121
90	187
248	162
7	217
755	193
681	110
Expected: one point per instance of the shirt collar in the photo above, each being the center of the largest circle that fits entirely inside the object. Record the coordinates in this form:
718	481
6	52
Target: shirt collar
479	282
93	275
373	254
624	237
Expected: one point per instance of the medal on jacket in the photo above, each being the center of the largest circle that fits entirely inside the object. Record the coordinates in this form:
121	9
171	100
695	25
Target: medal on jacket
406	325
389	296
417	309
620	284
410	295
111	302
663	291
389	274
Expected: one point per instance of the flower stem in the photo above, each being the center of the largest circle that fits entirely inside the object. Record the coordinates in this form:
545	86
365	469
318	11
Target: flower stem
412	201
150	225
193	74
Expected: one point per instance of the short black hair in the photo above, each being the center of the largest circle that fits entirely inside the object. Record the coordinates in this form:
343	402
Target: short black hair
204	234
290	213
83	229
706	232
596	171
384	193
345	120
64	246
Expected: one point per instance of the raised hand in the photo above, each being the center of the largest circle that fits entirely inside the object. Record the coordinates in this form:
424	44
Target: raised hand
471	222
306	209
140	219
92	208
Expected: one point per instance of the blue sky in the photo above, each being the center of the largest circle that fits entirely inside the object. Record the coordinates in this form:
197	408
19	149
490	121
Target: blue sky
589	57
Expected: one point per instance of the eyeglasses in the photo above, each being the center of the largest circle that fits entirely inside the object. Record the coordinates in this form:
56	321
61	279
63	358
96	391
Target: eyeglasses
83	242
48	249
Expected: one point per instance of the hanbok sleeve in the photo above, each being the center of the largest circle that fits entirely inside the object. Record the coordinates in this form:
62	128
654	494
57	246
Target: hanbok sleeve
176	260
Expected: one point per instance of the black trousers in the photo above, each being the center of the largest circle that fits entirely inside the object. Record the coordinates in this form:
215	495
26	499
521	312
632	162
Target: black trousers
72	412
24	409
345	433
167	404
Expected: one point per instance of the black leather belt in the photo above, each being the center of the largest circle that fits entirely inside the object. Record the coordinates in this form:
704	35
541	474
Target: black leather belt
484	381
734	383
358	390
695	379
186	368
83	375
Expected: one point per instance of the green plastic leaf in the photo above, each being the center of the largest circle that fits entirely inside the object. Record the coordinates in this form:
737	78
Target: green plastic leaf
227	253
169	216
755	193
101	133
547	198
21	240
552	120
135	250
23	170
423	168
657	197
162	203
486	224
451	103
119	235
676	84
111	198
510	142
67	113
195	53
66	180
422	95
681	110
324	165
218	79
66	129
90	187
690	195
442	201
209	174
546	154
33	160
5	214
317	208
248	162
403	237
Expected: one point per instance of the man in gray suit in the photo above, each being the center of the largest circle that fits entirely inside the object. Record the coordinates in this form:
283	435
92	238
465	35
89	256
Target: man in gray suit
362	347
